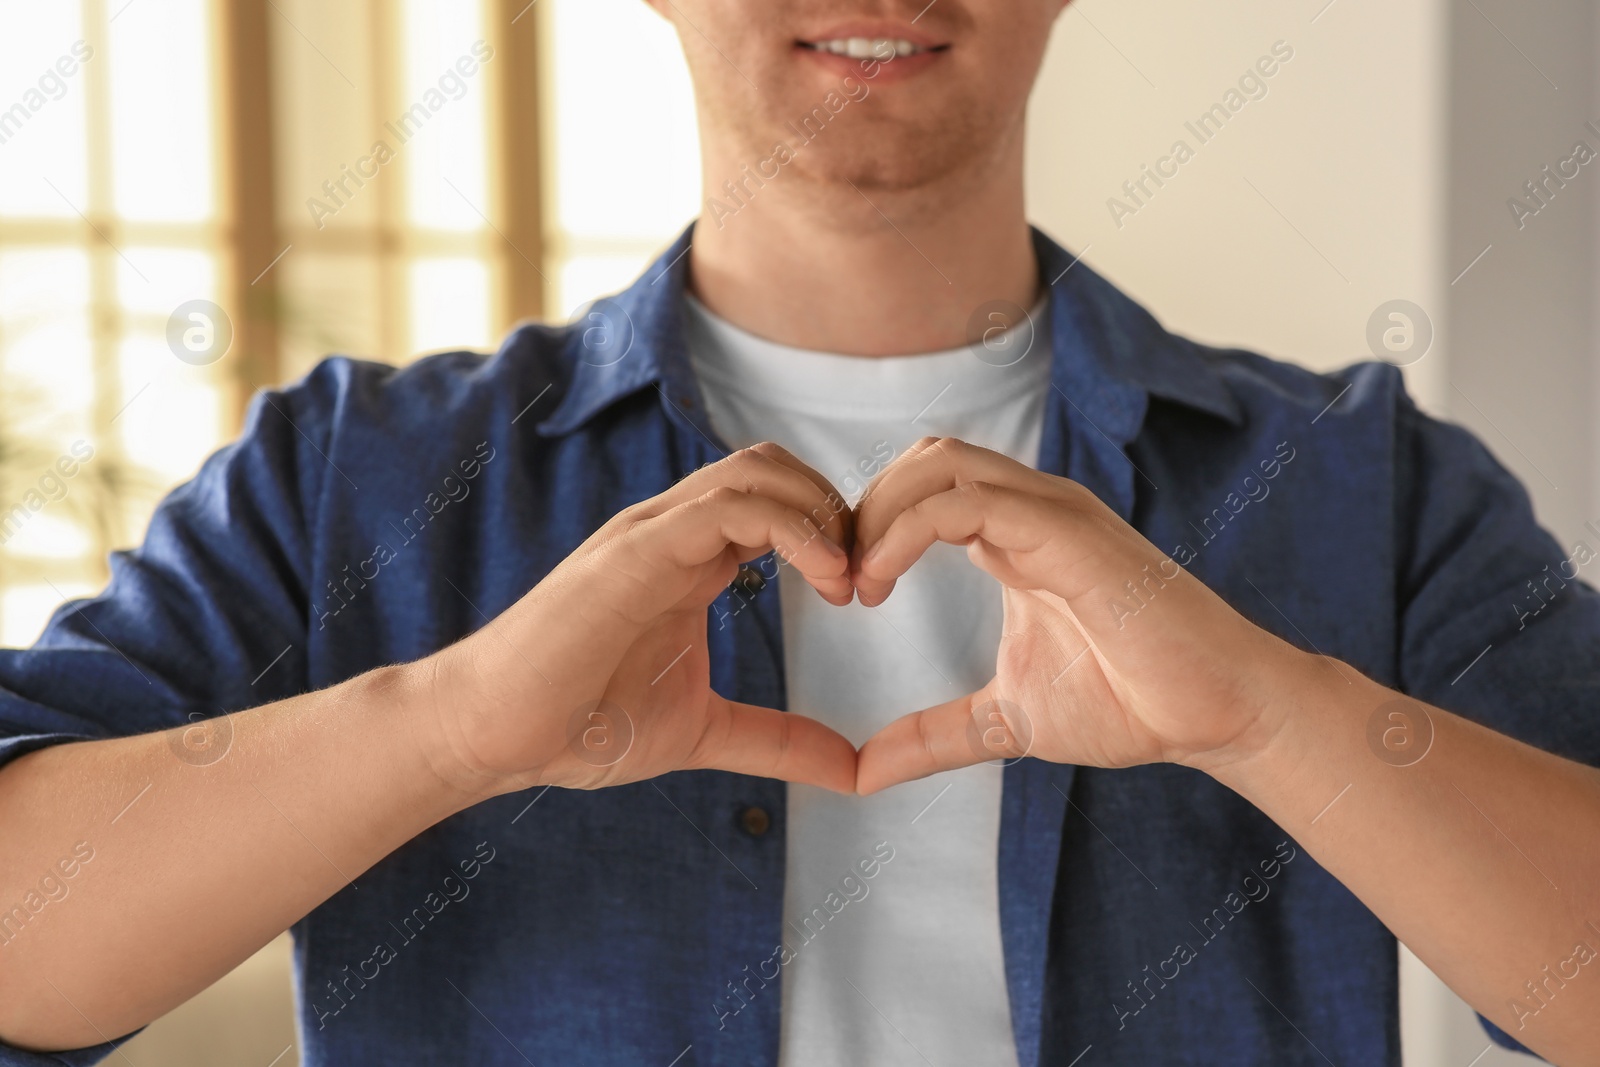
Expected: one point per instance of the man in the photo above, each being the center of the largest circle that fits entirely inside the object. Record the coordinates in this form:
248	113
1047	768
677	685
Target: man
442	667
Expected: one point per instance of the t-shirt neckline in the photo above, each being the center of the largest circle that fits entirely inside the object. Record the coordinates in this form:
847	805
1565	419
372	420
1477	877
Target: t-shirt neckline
804	381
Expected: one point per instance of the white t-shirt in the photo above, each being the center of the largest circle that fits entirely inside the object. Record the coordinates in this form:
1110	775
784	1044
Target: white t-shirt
905	966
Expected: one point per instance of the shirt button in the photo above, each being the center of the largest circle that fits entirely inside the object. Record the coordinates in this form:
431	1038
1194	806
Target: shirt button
749	581
755	821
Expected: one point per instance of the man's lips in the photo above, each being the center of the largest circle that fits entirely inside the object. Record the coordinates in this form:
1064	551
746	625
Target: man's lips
872	29
883	49
878	58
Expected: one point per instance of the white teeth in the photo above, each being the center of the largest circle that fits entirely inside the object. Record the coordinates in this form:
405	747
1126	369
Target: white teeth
868	47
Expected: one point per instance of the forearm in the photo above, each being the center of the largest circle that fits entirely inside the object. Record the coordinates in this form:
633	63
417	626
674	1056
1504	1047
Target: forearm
194	867
1480	855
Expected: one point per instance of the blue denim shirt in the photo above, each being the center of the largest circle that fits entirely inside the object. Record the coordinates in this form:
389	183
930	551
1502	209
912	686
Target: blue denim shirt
370	516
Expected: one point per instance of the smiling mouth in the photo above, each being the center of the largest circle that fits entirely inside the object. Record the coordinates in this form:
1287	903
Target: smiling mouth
879	48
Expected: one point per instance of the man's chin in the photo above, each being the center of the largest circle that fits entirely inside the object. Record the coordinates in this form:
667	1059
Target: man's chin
887	167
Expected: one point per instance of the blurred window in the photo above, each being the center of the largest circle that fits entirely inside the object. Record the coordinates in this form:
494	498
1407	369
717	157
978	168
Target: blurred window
377	178
625	172
108	221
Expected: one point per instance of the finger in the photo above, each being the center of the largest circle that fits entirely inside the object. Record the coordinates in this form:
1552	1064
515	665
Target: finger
747	739
958	733
916	447
1082	553
934	465
1008	519
701	530
769	470
838	508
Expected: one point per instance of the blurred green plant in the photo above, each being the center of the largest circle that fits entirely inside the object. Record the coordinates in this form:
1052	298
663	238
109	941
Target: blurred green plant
102	498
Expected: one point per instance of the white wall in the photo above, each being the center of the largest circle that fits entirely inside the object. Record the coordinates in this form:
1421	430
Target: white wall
1311	207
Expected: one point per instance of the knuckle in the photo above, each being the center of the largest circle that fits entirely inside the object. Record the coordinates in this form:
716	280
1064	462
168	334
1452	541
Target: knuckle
760	467
977	488
785	742
629	518
951	453
925	739
719	496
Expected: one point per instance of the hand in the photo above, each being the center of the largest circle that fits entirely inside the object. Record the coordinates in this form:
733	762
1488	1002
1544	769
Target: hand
600	674
1085	673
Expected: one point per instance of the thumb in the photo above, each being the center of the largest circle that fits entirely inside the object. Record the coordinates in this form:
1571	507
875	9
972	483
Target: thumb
970	729
749	739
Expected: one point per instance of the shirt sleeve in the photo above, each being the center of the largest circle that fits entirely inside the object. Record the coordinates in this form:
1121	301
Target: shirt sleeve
1497	621
208	616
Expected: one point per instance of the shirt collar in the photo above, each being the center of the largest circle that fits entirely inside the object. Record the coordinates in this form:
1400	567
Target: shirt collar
621	344
1109	355
1107	344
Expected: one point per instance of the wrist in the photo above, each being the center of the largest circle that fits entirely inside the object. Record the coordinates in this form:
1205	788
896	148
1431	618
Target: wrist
1297	698
428	706
1316	730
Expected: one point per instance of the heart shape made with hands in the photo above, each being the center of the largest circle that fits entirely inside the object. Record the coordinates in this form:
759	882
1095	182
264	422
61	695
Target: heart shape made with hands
890	528
1073	681
1175	674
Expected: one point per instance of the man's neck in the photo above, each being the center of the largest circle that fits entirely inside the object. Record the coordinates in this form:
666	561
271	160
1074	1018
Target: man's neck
868	272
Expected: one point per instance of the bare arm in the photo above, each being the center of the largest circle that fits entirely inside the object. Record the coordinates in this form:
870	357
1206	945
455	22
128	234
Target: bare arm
1481	856
192	868
195	867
